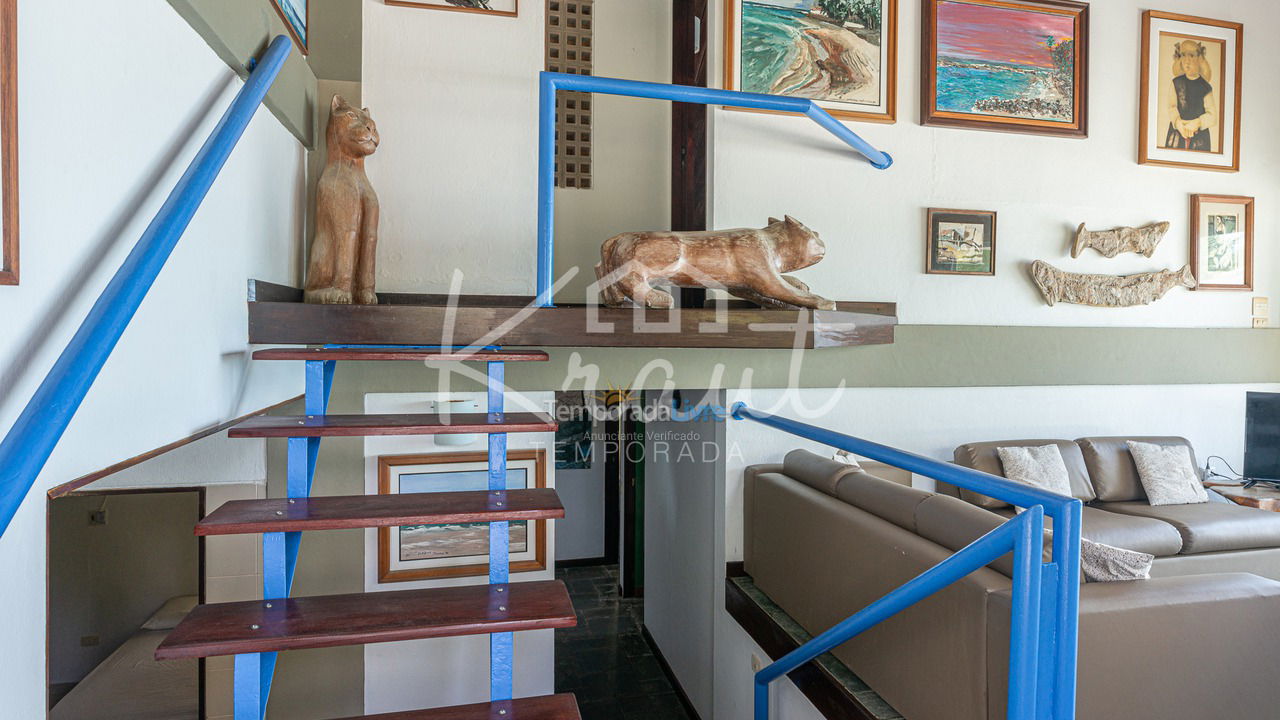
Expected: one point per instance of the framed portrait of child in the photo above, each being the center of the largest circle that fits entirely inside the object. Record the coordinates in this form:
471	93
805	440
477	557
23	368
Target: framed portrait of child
1190	111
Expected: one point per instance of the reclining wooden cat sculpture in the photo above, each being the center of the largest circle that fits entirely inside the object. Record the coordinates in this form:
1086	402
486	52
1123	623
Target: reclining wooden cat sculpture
748	263
344	252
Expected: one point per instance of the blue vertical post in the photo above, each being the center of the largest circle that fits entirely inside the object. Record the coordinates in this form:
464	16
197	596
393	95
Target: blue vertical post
501	645
546	186
280	550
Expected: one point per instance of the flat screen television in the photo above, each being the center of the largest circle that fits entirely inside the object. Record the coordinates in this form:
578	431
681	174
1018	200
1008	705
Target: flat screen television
1262	436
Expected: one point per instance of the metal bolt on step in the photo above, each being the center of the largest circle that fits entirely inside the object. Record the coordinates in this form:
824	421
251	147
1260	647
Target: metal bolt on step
268	605
279	512
291	501
503	608
254	627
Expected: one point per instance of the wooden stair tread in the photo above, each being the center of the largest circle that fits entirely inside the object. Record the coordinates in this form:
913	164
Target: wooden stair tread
365	511
382	424
362	618
401	353
547	707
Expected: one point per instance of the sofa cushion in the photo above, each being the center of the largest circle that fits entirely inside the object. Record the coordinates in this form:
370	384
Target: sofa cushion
983	456
1211	527
954	523
819	473
889	500
1140	534
1110	465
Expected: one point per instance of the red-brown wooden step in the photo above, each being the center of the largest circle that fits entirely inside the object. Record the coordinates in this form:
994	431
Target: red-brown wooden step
366	511
331	620
548	707
419	354
365	425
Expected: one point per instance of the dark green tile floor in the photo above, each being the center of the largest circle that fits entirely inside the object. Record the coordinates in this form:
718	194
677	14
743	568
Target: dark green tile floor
605	661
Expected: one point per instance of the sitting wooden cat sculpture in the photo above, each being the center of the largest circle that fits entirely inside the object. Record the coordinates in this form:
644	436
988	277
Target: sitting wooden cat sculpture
344	252
748	263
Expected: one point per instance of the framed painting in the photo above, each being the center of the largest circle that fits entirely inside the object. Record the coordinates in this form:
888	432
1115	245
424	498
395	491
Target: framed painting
842	53
1222	242
960	242
425	552
508	8
297	17
9	142
1006	65
1190	111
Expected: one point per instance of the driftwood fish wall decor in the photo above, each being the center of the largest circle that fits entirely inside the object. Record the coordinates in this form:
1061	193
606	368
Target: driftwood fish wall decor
1107	290
748	263
1110	243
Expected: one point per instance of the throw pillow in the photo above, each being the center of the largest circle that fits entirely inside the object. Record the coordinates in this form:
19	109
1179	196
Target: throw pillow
1104	563
1167	474
1040	467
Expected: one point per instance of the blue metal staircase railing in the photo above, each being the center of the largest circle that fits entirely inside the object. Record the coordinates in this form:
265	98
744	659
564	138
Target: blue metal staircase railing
1046	595
551	82
29	443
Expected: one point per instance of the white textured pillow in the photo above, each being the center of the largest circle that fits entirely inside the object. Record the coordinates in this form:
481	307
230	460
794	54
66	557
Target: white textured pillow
1105	563
1040	467
171	613
1167	474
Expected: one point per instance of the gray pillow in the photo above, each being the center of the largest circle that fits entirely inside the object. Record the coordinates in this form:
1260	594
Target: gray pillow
1104	563
1167	474
1040	467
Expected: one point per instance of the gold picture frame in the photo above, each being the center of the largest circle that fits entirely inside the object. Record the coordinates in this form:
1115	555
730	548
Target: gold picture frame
1221	251
462	550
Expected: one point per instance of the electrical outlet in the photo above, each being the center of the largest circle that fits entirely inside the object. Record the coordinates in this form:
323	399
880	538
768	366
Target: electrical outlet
89	641
756	663
1261	307
1259	322
98	517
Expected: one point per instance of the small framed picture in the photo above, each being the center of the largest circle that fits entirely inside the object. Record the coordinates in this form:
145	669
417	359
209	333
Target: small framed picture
425	552
960	242
1006	65
1190	111
842	54
1222	242
297	16
508	8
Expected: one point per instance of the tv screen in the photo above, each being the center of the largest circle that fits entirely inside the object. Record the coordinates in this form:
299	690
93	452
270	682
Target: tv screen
1262	436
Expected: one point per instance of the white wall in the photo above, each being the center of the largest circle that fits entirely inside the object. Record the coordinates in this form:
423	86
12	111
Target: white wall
873	222
455	670
115	99
580	535
455	96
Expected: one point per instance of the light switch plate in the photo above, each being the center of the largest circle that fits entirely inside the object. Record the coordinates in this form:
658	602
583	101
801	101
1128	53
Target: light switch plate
1261	307
1260	322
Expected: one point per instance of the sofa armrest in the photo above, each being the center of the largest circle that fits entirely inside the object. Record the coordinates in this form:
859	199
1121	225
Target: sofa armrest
1175	647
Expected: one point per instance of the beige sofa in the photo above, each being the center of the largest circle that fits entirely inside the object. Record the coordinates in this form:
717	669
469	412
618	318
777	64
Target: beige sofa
824	539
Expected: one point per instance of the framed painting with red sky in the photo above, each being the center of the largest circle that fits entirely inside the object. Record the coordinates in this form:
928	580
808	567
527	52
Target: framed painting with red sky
1006	65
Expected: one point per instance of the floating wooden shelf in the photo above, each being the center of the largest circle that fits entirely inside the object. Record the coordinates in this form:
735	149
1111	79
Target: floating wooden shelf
328	621
418	354
267	426
549	707
277	315
366	511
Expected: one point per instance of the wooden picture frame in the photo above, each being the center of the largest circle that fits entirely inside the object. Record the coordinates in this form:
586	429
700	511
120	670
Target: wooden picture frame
9	274
1221	52
885	110
983	224
300	38
1207	227
400	570
1011	114
442	5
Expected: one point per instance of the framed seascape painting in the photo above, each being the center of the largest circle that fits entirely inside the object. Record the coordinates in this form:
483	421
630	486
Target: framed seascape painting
297	16
424	552
1222	242
1006	65
960	242
9	142
842	53
1190	112
508	8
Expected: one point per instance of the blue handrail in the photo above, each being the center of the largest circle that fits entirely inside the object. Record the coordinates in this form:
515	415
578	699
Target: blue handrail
26	448
550	82
1046	595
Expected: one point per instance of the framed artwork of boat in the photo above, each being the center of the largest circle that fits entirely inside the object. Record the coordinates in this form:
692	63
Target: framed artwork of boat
841	53
297	17
424	552
1006	65
960	242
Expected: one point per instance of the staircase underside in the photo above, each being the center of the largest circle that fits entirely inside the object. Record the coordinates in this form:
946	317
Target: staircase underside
277	315
550	707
